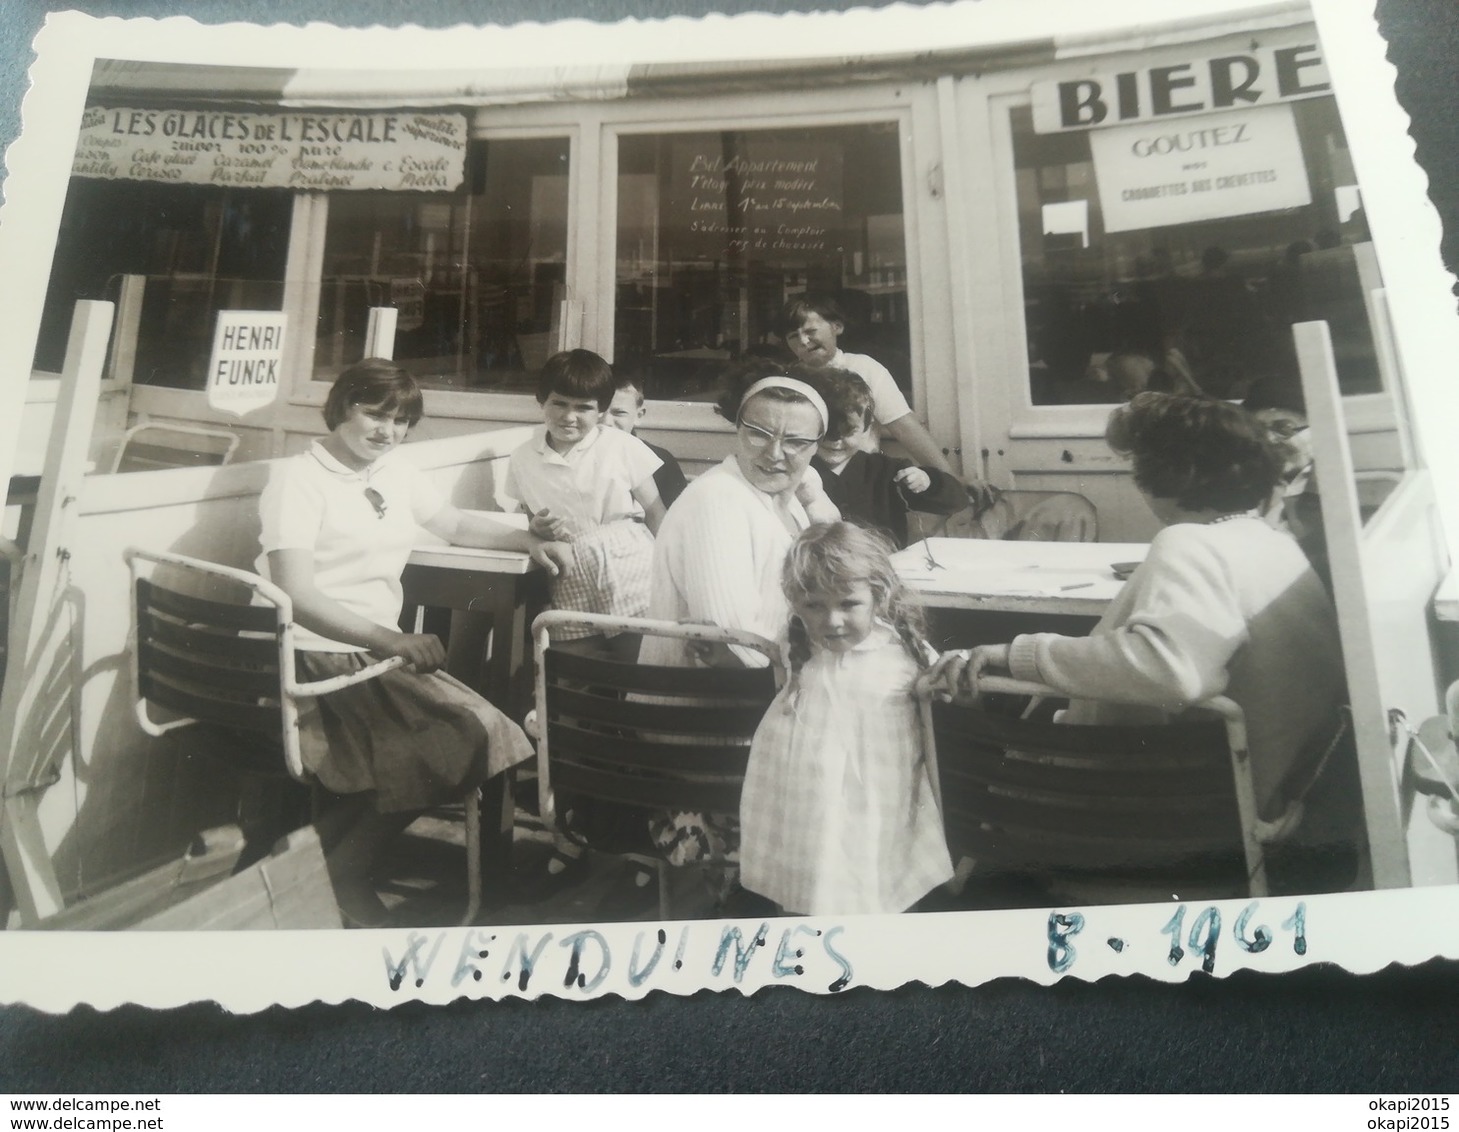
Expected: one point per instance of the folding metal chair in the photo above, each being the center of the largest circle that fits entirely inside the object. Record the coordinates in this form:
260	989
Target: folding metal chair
1016	516
229	665
148	446
649	739
1029	796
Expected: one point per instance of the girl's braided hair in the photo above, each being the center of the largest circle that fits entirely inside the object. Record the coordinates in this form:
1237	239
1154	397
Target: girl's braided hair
833	557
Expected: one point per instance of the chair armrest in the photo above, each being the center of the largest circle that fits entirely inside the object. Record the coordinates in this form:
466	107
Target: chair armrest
682	630
335	683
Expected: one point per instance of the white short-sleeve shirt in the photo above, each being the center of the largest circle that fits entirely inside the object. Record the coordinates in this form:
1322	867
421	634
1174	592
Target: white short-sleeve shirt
589	485
888	402
315	503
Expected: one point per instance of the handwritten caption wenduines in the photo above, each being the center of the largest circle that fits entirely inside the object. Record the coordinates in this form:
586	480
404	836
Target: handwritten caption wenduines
425	152
686	955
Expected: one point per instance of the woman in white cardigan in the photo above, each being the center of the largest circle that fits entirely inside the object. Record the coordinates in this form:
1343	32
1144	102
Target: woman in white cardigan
1223	604
719	552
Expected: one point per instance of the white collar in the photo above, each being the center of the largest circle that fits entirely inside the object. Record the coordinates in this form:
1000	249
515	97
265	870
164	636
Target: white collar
334	466
539	440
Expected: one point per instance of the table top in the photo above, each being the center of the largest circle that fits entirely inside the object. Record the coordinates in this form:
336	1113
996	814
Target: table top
472	558
1074	578
447	557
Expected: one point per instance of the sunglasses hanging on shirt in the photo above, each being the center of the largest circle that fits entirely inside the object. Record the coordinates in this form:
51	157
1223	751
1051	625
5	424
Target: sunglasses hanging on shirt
377	501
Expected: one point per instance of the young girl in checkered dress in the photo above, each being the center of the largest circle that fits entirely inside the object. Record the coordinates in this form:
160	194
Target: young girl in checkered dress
592	487
838	813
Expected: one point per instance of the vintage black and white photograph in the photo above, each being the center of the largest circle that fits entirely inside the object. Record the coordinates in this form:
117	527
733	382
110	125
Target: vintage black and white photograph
675	515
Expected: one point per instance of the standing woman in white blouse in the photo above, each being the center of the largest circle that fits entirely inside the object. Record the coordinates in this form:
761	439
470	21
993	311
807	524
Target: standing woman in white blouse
338	522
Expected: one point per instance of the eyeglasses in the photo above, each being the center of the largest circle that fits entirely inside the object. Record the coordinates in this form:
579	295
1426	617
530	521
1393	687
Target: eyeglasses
377	501
758	439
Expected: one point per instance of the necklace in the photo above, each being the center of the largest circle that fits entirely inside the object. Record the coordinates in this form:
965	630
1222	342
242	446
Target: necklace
1228	518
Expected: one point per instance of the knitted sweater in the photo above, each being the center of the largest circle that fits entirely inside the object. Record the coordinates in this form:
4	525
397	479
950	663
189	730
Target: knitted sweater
1227	608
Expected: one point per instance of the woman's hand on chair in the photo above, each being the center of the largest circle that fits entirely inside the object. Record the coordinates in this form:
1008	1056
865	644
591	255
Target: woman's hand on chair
422	651
955	674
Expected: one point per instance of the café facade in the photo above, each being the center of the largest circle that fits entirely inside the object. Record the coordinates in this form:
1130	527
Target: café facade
1003	224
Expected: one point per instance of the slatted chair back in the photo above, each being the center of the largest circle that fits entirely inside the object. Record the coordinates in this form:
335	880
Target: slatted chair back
211	661
1033	796
649	738
148	446
230	665
1017	516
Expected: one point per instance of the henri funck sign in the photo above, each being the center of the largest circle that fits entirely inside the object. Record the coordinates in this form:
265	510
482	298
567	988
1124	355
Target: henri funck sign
1272	67
248	350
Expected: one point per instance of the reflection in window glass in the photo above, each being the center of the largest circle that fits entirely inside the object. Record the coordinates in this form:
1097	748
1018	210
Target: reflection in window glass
477	277
1201	303
716	230
201	249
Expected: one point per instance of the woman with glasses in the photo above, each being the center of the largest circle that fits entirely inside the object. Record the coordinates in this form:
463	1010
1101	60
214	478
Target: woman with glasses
722	545
338	522
721	549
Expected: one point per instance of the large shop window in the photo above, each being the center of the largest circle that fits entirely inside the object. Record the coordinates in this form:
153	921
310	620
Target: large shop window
200	249
716	230
477	277
1190	268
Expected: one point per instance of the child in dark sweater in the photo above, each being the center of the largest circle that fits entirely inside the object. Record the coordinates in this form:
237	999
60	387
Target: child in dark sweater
869	486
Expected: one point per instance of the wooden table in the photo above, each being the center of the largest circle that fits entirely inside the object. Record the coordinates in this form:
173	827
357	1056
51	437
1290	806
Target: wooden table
491	596
983	591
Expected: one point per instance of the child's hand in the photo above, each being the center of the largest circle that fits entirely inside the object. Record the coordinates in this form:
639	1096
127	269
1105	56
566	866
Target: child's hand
914	480
548	527
554	557
982	495
809	491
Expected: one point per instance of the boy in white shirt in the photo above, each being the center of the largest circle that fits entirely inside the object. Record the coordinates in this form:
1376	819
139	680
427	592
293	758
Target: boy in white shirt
592	487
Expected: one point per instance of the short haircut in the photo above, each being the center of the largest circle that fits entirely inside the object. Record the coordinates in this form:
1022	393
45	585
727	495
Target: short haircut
800	308
376	382
848	398
1202	453
578	374
629	382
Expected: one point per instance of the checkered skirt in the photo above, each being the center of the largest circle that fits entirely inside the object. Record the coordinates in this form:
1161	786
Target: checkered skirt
612	572
838	814
417	740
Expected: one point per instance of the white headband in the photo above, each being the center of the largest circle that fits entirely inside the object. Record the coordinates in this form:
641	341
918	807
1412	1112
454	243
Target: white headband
795	386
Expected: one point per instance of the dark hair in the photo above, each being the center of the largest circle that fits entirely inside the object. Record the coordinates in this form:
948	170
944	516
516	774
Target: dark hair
833	557
374	382
628	381
1202	453
579	374
739	377
848	398
800	308
1275	393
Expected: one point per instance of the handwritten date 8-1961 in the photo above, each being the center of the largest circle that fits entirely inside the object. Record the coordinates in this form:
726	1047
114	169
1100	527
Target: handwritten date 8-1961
1250	936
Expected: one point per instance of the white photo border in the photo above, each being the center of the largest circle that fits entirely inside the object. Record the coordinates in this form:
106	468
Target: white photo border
1361	932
